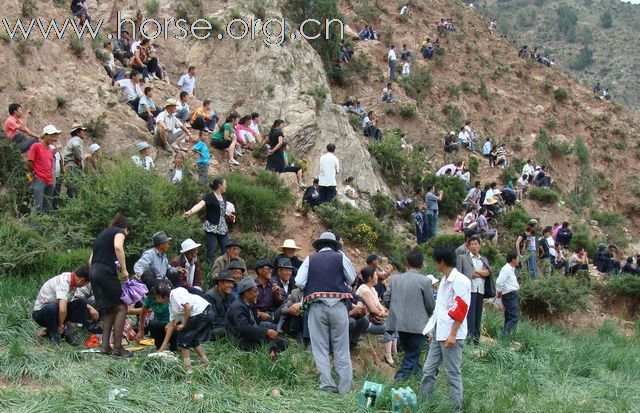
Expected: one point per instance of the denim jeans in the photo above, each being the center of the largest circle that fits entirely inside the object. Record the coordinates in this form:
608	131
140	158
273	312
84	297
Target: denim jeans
532	264
210	240
431	220
392	70
42	196
412	345
511	305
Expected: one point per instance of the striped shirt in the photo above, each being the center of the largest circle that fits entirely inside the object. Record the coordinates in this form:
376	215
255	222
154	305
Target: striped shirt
56	288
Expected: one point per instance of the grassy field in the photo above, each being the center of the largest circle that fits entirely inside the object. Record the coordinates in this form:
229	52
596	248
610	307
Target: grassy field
555	371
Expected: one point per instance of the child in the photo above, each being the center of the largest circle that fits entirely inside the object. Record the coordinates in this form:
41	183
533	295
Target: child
202	150
175	172
196	324
156	326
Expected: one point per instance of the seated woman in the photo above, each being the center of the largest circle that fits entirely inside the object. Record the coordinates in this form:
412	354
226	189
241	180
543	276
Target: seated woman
470	221
350	192
377	312
245	133
224	138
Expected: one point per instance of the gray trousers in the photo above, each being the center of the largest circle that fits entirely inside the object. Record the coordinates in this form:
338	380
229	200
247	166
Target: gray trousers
452	358
42	196
329	327
203	174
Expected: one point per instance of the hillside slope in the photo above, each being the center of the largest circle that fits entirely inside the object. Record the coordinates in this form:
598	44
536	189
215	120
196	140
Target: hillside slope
609	28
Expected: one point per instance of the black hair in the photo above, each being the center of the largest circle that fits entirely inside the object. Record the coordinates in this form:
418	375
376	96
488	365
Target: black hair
184	94
414	258
121	221
468	233
190	68
367	273
482	210
162	289
430	187
445	255
244	119
492	185
149	278
216	183
231	117
147	89
82	271
316	181
476	184
255	115
106	44
331	148
472	238
14	107
205	102
630	260
349	180
547	230
565	224
511	255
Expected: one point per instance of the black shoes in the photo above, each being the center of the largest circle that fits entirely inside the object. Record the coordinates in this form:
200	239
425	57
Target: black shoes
69	336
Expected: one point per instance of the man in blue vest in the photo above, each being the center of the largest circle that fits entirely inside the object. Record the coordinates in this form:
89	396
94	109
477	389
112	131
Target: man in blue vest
324	277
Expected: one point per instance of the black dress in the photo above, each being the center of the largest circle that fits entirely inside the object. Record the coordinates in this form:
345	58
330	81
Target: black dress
275	162
104	275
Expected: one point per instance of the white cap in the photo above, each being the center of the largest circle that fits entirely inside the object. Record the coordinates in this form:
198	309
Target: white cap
50	130
142	145
93	148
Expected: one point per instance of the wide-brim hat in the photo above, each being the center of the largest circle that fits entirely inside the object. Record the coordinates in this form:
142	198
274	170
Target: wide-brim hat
142	145
491	201
289	244
171	102
188	245
246	284
50	130
233	243
326	238
77	126
262	263
235	265
224	275
160	238
285	263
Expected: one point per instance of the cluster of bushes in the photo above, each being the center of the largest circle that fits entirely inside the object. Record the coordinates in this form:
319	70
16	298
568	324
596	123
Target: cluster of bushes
553	295
15	195
544	195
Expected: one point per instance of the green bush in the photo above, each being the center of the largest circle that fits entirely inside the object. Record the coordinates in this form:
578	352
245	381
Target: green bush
408	111
254	249
356	122
515	221
560	148
15	194
362	66
560	94
581	196
483	90
554	295
606	21
474	165
97	127
76	45
152	7
609	218
583	239
454	193
390	155
541	145
454	91
418	84
583	59
544	195
454	115
260	203
382	204
446	240
625	285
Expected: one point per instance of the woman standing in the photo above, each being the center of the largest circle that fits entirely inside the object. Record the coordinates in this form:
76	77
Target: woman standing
275	158
377	312
215	224
106	260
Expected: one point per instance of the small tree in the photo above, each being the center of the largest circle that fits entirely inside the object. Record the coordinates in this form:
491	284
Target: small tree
606	20
584	59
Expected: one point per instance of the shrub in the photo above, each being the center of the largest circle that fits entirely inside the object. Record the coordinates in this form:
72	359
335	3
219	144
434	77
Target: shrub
15	195
260	203
474	165
454	115
319	95
356	122
61	101
606	21
259	9
362	66
558	148
254	249
584	59
408	111
582	239
466	87
417	85
269	88
609	218
29	8
454	91
76	45
97	127
383	206
152	7
544	195
515	221
390	156
541	145
554	295
560	94
453	195
446	240
483	90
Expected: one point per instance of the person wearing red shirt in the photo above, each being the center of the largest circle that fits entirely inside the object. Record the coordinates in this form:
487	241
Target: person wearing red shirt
40	161
16	130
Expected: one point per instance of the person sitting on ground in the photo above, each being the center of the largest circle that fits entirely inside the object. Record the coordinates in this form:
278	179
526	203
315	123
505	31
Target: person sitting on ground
147	109
406	68
605	260
464	139
450	169
92	161
523	184
405	54
606	95
244	133
350	192
578	261
376	312
105	55
597	88
139	59
53	310
204	119
529	169
182	110
523	52
367	34
492	26
428	48
242	324
502	157
187	81
157	324
484	231
152	63
143	159
122	47
192	317
464	175
629	267
221	298
131	89
233	249
176	172
224	139
470	222
561	260
156	259
370	128
451	144
288	250
254	125
387	94
564	235
542	179
404	10
448	24
15	128
169	130
311	195
191	278
441	26
80	10
473	197
345	52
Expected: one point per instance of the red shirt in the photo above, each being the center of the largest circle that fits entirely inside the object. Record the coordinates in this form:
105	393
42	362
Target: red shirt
11	125
42	158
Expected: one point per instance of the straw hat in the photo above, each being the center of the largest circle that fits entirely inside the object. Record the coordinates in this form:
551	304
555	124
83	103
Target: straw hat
289	244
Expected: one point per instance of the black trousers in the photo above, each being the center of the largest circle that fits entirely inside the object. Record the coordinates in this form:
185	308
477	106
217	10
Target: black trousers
157	332
47	316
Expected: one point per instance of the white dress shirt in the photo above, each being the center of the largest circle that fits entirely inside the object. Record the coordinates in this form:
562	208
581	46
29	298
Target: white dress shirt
455	285
507	281
329	167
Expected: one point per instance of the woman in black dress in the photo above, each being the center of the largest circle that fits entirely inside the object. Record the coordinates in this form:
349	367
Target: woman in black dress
106	261
275	159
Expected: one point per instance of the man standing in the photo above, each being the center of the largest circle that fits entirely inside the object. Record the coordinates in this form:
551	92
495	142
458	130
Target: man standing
156	259
329	167
410	301
324	277
507	293
476	268
221	299
187	81
16	130
432	211
447	327
391	56
40	161
74	159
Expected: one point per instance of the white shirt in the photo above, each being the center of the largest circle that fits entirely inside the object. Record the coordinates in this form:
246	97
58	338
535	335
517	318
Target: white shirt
57	163
129	90
507	280
255	128
177	178
179	297
463	136
347	189
443	170
187	83
404	10
406	69
56	288
146	163
477	283
488	195
135	45
392	55
469	219
454	294
528	169
329	167
171	121
552	246
486	148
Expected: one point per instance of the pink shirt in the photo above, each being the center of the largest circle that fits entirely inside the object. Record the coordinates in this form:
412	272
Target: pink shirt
42	157
11	126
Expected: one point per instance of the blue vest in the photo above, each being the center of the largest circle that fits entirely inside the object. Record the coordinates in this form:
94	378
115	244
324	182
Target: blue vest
326	278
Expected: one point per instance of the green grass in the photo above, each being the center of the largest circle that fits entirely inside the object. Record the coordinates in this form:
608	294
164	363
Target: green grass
554	372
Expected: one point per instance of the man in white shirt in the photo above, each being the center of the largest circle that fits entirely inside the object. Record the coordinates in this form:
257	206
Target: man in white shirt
447	327
169	130
329	167
391	56
131	89
187	81
529	169
255	127
507	293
